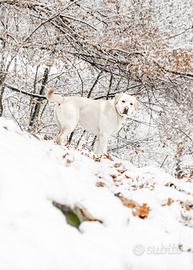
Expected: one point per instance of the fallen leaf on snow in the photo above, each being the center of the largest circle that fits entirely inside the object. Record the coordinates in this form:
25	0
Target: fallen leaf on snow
168	202
142	211
122	170
108	156
86	215
114	177
100	184
129	203
97	158
68	160
117	165
187	205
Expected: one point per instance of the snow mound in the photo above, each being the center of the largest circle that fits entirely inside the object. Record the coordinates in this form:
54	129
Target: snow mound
137	218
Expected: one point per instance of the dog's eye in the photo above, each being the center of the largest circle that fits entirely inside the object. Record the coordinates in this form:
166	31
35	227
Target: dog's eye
131	104
123	101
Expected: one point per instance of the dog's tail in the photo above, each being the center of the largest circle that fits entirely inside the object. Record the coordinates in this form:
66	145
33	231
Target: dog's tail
54	97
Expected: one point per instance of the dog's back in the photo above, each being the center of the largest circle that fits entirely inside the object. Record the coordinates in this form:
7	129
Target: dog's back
77	101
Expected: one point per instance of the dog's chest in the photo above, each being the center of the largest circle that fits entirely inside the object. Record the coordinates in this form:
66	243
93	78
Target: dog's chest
110	123
114	126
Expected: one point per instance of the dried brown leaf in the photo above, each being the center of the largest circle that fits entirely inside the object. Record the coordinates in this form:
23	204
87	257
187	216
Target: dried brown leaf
142	211
122	170
117	165
100	184
87	215
169	201
128	203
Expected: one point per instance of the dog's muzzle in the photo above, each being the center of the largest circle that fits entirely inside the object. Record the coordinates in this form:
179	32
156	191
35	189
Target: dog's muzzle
125	111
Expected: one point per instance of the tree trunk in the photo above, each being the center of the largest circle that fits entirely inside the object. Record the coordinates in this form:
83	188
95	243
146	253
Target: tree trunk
2	88
35	111
2	75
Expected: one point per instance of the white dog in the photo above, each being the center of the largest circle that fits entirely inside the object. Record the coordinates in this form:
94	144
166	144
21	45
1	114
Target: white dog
100	117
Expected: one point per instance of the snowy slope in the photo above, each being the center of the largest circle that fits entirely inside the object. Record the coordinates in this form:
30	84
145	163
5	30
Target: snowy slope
35	235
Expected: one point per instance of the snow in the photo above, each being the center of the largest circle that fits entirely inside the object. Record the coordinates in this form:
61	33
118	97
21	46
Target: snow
35	235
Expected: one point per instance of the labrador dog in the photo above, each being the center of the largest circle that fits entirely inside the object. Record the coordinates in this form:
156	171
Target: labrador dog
100	117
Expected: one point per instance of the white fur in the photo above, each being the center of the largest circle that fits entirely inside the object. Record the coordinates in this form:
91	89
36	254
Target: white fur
100	117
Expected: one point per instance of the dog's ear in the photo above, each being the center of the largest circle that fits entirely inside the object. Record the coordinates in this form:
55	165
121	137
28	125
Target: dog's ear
50	93
117	97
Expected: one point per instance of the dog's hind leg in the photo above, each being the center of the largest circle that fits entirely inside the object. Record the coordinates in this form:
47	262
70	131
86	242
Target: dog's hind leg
59	136
67	118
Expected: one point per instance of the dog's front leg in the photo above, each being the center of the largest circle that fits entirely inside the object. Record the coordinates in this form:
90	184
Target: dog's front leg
64	132
101	146
59	136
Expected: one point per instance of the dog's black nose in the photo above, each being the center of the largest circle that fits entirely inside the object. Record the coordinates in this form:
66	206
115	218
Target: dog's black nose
125	110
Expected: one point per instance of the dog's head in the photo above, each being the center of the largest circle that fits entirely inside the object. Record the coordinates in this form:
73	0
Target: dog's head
125	104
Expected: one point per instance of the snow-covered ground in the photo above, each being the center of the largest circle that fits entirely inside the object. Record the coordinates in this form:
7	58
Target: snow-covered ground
137	218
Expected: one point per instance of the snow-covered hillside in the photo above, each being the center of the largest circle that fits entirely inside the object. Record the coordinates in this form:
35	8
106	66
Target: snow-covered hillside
130	218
